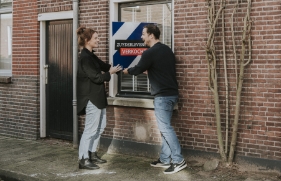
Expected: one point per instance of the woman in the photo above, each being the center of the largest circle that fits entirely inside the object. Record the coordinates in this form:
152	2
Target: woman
91	96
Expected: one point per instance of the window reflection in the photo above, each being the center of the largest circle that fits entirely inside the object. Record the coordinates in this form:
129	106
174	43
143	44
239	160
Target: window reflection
6	41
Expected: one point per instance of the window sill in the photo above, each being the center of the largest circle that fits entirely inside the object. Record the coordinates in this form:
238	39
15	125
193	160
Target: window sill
5	79
133	102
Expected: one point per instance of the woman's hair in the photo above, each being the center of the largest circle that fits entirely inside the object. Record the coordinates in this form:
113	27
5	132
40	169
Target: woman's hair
83	34
153	29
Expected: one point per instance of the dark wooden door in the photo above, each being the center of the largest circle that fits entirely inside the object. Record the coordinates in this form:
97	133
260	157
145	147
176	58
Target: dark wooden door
59	91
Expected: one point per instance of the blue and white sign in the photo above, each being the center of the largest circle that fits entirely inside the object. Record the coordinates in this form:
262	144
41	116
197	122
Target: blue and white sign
127	43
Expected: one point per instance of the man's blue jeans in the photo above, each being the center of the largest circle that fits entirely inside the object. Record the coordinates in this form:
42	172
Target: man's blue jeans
170	144
95	123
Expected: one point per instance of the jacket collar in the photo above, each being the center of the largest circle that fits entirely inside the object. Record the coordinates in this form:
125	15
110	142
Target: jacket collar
87	51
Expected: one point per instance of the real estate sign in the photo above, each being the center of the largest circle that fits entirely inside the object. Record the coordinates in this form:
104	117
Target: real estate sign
127	42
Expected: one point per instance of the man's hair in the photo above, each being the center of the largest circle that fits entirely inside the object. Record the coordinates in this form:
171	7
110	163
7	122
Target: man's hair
153	29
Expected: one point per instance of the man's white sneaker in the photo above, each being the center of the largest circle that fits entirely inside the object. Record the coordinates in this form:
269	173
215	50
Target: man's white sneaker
175	167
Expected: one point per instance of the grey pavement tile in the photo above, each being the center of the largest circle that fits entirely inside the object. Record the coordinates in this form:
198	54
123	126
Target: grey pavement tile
34	160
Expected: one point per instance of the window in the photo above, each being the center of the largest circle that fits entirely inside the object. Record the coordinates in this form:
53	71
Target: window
159	12
6	37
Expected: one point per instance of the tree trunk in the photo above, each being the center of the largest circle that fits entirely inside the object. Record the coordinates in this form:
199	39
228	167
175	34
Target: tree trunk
218	122
236	116
246	38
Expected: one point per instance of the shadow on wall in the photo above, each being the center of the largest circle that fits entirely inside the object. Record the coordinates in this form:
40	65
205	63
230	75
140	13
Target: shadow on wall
131	131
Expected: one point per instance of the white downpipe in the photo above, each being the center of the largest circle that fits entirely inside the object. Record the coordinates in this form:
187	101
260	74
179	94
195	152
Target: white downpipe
75	60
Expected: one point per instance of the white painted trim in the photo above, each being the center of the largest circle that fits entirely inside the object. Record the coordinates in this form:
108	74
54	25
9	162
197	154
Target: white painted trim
113	16
43	17
5	72
42	79
173	26
122	1
6	10
133	102
55	16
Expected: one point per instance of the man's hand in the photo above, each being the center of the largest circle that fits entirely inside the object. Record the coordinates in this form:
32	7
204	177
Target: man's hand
125	71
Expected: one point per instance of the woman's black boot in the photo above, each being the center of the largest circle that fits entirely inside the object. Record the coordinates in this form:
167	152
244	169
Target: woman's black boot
95	158
87	164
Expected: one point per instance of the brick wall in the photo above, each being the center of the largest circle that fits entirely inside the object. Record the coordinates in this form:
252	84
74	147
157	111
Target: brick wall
19	107
19	101
47	6
132	124
259	124
95	15
25	48
194	121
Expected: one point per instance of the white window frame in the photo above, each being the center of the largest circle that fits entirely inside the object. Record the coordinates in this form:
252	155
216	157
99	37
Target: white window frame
113	16
4	11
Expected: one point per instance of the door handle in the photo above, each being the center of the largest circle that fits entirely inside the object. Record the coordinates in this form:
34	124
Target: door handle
46	73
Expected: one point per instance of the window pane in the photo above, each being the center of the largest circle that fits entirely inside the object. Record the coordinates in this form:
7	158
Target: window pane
6	1
138	83
154	13
6	41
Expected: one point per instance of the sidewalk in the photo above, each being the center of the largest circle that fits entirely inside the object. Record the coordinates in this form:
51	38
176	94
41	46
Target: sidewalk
39	160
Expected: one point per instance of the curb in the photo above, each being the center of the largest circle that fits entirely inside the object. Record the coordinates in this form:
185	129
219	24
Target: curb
13	176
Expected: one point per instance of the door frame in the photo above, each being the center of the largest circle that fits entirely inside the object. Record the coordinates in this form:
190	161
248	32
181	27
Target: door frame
43	18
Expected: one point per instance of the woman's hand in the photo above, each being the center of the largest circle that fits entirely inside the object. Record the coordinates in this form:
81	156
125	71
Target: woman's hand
115	69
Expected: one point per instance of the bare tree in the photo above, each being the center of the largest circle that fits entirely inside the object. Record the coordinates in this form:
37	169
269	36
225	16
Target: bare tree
246	40
212	64
211	58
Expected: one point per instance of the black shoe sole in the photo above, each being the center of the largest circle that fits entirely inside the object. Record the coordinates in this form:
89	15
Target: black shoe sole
98	162
88	168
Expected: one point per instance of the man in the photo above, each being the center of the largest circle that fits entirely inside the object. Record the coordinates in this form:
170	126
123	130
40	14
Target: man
159	62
